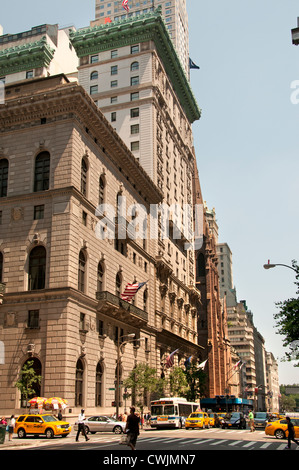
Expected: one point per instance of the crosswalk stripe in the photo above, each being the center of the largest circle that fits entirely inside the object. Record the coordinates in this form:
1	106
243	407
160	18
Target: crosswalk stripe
235	443
264	446
282	446
219	442
249	444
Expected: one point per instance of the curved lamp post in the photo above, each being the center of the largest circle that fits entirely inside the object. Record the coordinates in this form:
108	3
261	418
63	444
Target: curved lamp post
269	266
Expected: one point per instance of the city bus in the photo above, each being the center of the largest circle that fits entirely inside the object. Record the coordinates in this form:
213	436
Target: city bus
171	412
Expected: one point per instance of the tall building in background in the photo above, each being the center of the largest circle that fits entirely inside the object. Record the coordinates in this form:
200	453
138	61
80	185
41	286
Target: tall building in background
225	269
174	13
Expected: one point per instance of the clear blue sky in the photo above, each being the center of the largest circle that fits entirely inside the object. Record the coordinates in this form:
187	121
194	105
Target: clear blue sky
246	141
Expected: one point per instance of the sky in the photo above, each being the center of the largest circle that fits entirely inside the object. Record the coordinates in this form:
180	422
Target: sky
246	141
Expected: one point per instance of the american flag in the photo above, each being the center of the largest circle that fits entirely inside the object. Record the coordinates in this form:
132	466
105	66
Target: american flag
131	290
170	359
125	5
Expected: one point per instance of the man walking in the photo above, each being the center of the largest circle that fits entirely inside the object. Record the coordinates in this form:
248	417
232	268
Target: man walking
132	428
81	426
251	421
291	433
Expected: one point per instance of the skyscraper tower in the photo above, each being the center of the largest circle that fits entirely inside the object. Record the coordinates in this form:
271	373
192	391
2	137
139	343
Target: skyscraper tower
174	13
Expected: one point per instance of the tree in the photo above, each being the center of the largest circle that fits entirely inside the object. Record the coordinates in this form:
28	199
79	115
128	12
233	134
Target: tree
178	383
28	378
287	321
196	379
142	380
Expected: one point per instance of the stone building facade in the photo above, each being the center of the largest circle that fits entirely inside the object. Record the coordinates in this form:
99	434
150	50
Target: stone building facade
62	306
212	314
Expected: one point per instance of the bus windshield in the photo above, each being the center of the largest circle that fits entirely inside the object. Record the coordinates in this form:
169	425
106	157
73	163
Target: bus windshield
157	410
170	410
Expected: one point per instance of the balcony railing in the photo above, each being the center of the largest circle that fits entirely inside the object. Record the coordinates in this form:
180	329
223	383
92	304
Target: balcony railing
112	305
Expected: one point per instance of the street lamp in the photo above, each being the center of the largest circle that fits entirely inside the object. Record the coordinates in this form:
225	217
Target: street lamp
119	346
269	266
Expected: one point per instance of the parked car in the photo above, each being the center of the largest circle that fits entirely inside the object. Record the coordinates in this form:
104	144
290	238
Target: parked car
103	424
279	428
234	420
198	419
261	419
46	424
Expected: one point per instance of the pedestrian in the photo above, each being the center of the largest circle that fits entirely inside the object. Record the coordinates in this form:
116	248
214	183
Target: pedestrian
251	421
291	433
132	428
3	421
11	426
81	426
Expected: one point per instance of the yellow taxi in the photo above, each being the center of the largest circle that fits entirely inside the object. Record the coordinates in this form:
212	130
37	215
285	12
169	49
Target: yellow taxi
279	428
198	419
46	424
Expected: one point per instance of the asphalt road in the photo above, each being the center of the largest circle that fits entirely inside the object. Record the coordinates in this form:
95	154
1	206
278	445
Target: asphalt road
175	442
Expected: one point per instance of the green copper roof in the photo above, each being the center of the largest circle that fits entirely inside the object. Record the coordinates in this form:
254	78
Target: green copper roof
135	30
25	57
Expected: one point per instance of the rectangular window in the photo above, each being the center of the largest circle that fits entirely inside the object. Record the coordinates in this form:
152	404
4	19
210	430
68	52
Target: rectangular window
84	218
114	54
94	59
33	319
113	99
134	49
29	74
114	70
100	327
94	89
113	116
134	112
135	129
135	146
134	81
113	84
134	96
39	212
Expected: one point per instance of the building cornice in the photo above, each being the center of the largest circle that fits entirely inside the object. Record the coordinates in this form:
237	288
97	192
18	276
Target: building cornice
70	100
148	27
26	57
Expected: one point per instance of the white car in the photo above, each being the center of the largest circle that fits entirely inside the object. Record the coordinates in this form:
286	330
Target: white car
102	424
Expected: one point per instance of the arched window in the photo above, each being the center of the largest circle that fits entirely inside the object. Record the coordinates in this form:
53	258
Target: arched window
134	66
1	266
94	75
81	271
83	177
37	268
200	265
42	172
3	177
99	385
79	383
118	284
102	184
101	273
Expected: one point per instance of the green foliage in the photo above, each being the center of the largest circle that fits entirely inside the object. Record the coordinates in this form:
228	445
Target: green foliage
287	320
28	378
142	380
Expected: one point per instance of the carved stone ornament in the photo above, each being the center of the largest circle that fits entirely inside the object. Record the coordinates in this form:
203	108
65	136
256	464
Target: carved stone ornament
17	213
